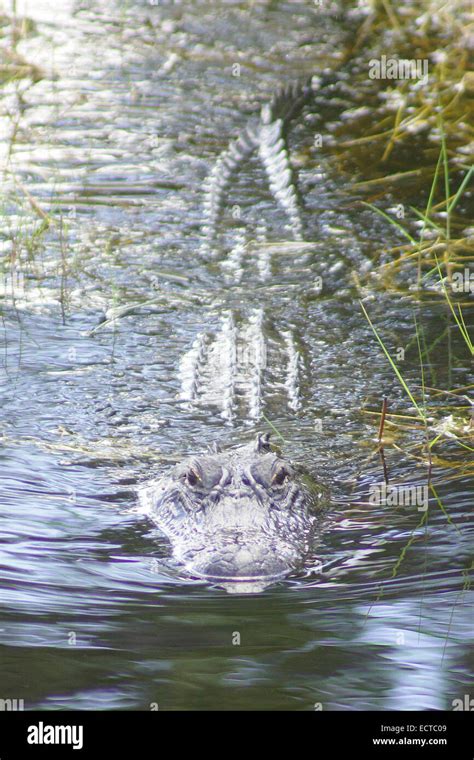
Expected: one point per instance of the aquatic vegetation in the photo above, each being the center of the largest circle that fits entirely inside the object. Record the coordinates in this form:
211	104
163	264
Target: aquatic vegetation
431	118
430	207
428	204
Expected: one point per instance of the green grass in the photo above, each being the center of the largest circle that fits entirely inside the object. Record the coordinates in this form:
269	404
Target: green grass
394	366
443	234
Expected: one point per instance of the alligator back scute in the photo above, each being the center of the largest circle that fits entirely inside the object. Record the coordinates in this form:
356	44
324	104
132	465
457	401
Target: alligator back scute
220	178
233	368
274	156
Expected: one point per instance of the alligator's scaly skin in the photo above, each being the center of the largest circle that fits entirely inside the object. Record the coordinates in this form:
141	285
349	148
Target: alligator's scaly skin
245	515
267	138
227	369
221	176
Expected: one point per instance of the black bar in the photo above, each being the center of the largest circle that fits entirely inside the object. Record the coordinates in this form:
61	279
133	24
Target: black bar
155	734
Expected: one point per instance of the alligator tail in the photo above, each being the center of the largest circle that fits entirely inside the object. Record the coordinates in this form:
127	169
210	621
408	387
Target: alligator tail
220	178
268	137
288	101
273	153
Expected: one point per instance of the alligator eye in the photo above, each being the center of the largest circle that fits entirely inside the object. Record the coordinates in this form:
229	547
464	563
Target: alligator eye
192	478
280	476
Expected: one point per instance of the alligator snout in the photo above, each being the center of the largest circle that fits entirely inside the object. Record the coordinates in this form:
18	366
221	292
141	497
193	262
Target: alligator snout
242	539
245	565
240	553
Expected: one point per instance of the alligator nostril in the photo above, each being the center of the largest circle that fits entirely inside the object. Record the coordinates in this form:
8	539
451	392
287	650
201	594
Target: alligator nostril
245	480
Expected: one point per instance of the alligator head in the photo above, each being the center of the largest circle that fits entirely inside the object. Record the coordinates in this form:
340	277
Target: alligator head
245	516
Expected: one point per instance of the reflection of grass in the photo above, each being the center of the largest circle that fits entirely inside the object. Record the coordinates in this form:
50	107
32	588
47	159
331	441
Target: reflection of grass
19	262
466	587
22	263
414	533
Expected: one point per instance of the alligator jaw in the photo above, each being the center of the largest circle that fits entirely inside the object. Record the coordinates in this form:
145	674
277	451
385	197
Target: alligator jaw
238	540
242	557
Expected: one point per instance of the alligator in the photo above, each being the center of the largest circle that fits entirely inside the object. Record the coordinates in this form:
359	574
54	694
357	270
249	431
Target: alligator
243	518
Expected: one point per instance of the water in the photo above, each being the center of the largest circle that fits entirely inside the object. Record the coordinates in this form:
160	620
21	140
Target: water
115	141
